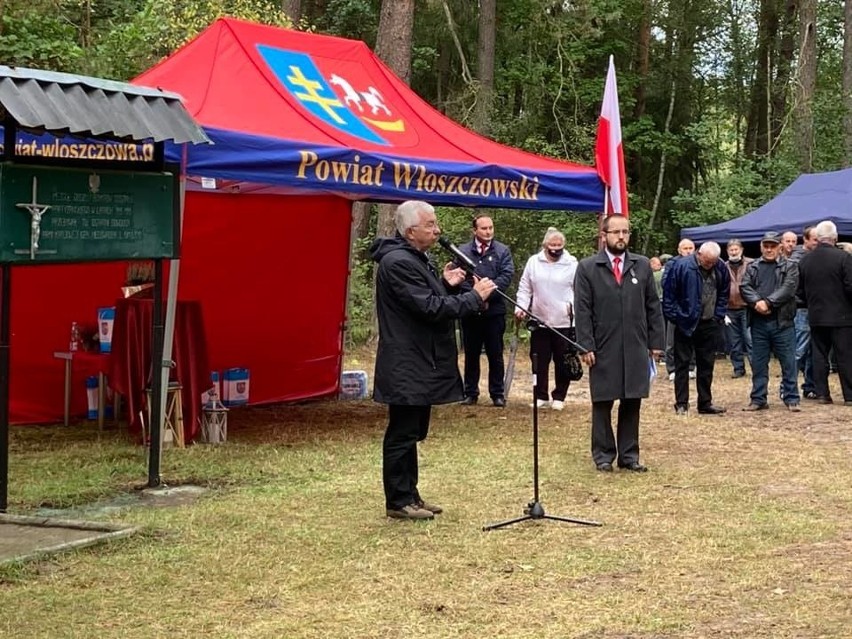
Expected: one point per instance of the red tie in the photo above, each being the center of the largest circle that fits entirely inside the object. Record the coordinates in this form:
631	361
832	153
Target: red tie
616	269
482	248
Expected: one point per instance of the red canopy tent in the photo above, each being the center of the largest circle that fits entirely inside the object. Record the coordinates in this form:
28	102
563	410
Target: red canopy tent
302	125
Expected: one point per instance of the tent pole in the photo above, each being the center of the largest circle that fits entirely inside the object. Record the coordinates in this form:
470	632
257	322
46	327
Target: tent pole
156	426
344	325
171	299
5	333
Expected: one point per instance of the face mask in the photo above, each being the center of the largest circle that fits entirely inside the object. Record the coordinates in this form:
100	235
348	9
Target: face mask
736	260
555	253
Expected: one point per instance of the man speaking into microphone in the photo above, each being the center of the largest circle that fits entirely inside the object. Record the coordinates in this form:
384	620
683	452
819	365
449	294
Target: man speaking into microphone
417	360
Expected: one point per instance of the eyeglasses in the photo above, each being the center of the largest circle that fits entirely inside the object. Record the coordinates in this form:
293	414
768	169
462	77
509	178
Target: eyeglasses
618	232
429	226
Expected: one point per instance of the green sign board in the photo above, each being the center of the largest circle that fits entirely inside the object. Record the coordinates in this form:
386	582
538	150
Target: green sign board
57	214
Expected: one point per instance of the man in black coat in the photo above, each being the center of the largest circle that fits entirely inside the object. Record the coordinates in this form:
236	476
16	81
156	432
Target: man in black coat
619	321
494	260
825	286
417	360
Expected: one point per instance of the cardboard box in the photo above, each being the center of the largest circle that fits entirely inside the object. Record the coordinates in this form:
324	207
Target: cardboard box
235	386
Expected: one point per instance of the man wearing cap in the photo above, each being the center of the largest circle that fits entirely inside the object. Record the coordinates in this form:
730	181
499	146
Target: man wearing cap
769	289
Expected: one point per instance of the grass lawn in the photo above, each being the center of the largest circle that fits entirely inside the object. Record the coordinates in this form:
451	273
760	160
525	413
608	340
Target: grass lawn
741	529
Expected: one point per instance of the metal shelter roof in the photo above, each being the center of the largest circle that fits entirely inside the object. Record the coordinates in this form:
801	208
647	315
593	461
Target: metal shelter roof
63	103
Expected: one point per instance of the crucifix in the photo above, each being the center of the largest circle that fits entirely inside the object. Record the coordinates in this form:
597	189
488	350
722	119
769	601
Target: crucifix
36	211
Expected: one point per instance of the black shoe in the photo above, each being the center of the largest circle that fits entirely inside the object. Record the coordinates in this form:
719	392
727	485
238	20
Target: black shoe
604	467
810	395
499	402
737	374
753	407
824	400
635	467
680	409
711	410
469	401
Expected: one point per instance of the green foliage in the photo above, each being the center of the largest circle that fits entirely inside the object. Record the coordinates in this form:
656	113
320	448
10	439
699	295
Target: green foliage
38	41
360	307
732	194
350	18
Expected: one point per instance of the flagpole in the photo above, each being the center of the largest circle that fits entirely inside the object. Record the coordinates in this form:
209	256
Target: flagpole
601	219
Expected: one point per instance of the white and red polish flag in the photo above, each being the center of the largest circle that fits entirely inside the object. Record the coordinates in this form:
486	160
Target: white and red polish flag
609	153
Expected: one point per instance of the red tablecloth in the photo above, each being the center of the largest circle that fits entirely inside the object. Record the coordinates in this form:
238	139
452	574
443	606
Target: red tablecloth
91	362
130	360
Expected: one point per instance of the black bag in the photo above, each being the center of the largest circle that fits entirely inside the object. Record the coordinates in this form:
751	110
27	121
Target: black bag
574	366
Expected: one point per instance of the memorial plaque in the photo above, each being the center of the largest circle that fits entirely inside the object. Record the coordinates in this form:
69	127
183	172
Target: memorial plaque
58	214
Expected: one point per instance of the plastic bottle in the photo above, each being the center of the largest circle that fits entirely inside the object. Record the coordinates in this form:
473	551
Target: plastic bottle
75	337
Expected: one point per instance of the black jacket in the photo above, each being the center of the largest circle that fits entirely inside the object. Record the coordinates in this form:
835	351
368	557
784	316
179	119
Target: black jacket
417	359
783	298
497	265
825	286
619	323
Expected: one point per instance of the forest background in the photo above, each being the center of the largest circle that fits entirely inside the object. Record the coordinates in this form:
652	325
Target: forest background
723	102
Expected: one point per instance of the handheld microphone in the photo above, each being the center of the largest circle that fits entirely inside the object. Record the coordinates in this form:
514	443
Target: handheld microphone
467	263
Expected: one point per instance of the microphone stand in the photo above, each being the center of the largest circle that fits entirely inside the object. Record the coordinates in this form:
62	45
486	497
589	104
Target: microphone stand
534	509
534	322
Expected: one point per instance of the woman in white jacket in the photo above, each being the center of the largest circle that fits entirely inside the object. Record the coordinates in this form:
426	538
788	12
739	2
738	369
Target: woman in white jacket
547	291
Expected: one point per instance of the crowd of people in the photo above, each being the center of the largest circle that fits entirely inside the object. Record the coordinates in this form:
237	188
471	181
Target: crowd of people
618	312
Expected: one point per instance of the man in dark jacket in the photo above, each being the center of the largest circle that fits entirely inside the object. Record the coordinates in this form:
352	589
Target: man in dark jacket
493	260
825	286
417	360
736	319
695	298
618	320
769	288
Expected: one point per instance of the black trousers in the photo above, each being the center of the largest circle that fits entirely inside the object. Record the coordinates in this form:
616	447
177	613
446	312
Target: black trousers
704	341
549	347
823	338
407	425
477	331
625	445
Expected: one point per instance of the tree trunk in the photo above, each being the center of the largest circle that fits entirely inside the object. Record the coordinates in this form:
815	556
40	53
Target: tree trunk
393	46
643	58
784	62
360	219
847	83
393	42
643	65
807	81
757	130
662	174
293	10
738	74
485	65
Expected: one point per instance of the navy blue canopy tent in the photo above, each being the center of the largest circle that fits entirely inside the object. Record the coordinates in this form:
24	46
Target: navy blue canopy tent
811	198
